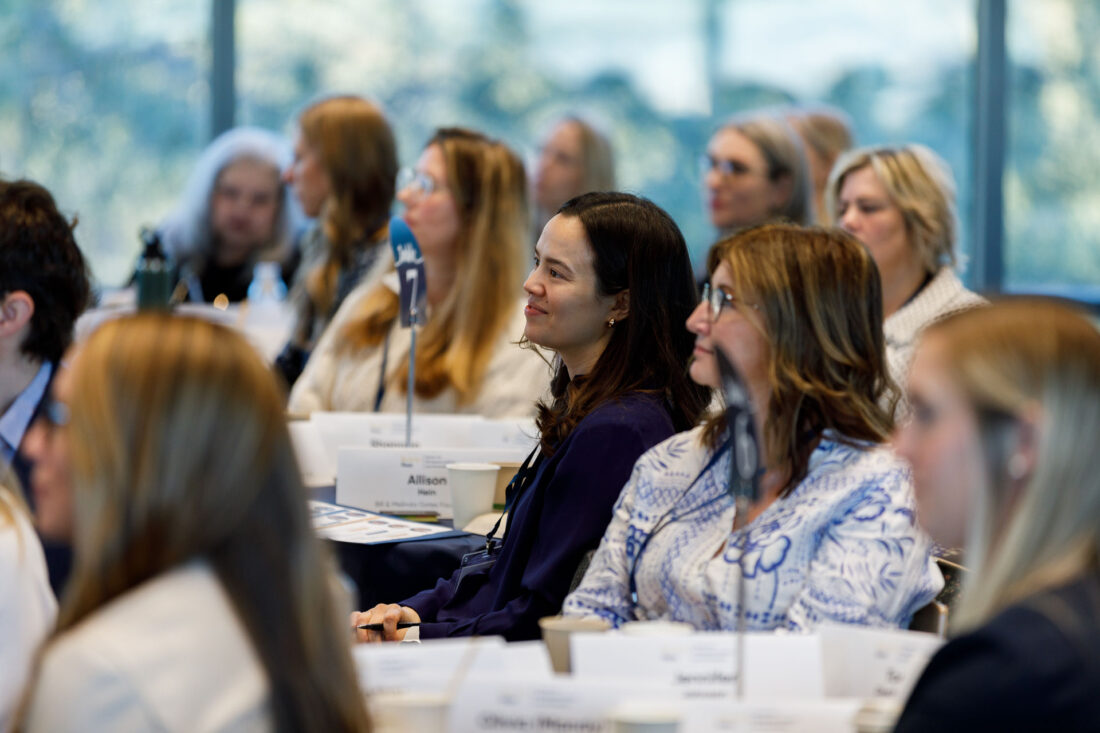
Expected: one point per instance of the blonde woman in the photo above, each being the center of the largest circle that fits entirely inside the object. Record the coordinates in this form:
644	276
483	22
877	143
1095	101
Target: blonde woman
754	171
1006	410
466	204
200	597
27	605
900	202
345	163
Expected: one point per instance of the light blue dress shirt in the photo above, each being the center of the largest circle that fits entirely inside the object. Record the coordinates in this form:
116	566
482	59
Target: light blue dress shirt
17	418
842	547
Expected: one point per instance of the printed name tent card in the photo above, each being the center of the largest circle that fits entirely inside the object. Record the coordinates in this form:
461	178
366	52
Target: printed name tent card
861	662
702	665
432	665
313	460
405	480
500	703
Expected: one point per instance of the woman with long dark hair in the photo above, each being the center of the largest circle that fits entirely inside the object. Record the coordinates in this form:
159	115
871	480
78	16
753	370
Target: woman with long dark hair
611	281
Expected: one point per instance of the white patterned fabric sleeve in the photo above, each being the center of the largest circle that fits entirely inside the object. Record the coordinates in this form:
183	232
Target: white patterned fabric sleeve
872	566
605	590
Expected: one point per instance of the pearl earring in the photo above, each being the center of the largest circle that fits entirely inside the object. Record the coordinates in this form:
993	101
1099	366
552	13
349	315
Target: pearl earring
1017	466
611	323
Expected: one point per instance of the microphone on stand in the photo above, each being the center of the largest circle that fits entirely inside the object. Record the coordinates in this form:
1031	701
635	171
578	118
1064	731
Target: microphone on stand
744	482
413	294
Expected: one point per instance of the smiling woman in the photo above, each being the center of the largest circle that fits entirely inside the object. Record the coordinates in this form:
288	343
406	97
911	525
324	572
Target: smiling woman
611	277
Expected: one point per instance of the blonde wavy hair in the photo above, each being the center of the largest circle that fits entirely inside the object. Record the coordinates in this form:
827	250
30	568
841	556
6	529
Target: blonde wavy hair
357	150
920	184
489	186
180	451
1016	360
819	294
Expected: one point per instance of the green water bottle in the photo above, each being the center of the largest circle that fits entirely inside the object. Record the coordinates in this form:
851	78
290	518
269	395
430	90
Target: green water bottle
154	273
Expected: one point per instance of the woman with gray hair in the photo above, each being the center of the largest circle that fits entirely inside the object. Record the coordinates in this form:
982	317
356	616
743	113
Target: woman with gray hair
575	158
900	202
235	211
754	171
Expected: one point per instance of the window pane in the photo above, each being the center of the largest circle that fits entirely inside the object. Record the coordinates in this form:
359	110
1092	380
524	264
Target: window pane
106	105
660	75
1052	176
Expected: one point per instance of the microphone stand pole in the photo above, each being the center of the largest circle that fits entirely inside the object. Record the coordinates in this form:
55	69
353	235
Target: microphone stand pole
744	486
414	321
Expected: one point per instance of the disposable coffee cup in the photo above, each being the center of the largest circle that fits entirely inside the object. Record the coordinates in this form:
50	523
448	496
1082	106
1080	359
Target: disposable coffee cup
556	632
878	715
409	712
471	487
640	716
656	628
508	471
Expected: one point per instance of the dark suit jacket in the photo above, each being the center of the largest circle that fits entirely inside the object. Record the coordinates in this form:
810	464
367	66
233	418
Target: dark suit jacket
1034	667
59	555
560	517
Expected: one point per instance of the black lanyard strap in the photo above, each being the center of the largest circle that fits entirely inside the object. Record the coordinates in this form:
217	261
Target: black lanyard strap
516	487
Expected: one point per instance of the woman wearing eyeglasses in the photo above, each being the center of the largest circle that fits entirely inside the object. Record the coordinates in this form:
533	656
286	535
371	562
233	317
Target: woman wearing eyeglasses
466	204
345	162
755	171
831	536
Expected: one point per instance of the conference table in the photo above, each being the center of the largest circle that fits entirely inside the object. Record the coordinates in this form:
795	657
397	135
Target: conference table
393	571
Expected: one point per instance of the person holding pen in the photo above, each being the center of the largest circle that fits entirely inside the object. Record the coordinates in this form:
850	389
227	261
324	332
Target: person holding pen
610	285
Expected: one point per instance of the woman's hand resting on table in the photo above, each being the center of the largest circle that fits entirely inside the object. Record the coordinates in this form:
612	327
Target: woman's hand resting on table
387	614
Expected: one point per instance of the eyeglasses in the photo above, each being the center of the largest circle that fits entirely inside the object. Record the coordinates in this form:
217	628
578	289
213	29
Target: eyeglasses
422	183
56	414
718	299
726	168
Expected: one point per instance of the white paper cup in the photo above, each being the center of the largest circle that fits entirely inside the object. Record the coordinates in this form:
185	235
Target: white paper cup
556	631
639	716
656	628
409	712
472	486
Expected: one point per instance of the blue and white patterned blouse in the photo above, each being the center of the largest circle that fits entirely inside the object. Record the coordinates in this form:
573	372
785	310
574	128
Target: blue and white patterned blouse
841	547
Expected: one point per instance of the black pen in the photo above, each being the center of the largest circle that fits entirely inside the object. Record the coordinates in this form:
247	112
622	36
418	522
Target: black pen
378	627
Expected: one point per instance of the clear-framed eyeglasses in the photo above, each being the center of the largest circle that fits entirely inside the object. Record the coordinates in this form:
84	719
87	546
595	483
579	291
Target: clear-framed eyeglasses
414	180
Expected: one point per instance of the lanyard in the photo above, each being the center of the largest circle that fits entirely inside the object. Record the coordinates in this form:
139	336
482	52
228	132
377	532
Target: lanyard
516	488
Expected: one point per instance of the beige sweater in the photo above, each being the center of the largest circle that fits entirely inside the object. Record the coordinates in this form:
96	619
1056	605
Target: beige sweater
341	379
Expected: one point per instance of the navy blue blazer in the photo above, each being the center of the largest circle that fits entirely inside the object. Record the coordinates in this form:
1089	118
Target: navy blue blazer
1034	667
559	517
59	555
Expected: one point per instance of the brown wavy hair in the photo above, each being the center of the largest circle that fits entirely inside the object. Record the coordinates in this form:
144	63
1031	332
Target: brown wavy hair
636	247
489	186
356	148
180	451
821	300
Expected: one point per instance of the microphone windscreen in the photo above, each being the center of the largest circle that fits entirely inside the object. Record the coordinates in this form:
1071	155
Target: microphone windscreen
404	244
